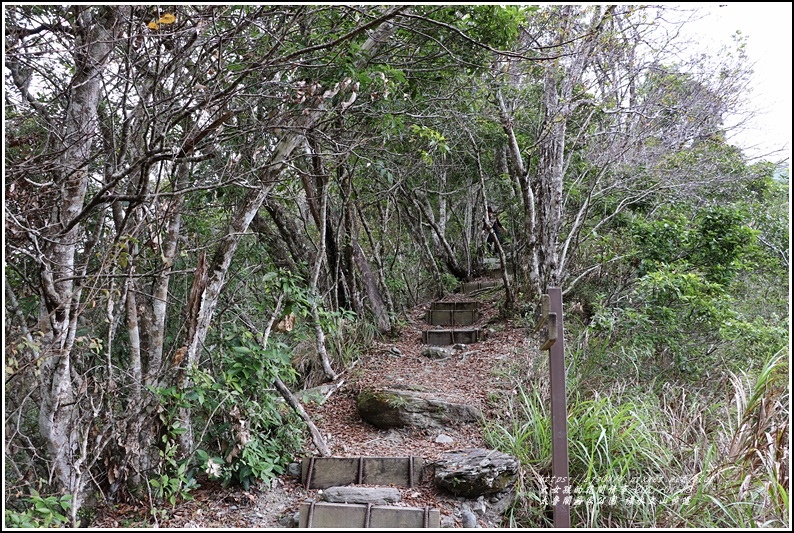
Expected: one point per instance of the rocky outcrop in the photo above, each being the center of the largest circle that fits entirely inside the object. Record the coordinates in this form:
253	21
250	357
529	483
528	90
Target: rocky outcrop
475	472
393	408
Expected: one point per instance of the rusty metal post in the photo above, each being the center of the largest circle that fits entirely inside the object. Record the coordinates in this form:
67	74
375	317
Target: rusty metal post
560	482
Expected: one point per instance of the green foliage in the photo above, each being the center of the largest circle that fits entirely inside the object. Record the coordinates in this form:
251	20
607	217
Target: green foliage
640	458
766	198
667	328
525	429
679	318
755	339
716	244
251	433
44	512
720	243
175	478
428	141
661	241
491	24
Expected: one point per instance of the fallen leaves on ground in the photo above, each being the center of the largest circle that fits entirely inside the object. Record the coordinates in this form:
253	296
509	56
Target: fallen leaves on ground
479	375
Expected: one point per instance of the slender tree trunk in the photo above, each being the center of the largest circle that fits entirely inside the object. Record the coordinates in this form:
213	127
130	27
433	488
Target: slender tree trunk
371	286
59	410
528	201
319	334
293	402
379	262
440	242
341	277
509	299
549	194
172	214
291	139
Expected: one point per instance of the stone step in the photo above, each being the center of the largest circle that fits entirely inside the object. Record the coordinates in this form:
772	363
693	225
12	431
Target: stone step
344	515
460	313
493	264
324	472
472	286
443	337
359	494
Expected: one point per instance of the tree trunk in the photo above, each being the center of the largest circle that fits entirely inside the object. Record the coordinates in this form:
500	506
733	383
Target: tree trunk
301	123
379	263
373	292
59	410
298	408
441	245
509	299
322	352
549	193
529	259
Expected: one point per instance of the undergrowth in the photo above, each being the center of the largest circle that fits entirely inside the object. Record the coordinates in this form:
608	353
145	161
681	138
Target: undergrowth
663	456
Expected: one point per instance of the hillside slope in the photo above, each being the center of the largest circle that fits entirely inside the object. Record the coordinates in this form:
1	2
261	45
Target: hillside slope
478	375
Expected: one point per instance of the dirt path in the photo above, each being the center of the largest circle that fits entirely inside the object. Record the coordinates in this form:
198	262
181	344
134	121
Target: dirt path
478	376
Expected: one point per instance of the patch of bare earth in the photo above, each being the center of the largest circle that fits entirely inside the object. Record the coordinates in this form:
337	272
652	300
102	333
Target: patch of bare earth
476	376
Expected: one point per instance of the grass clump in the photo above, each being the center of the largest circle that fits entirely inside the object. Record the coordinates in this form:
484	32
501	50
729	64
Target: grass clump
657	457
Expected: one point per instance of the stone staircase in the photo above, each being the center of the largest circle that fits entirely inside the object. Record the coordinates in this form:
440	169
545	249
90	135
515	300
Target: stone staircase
452	315
357	491
348	504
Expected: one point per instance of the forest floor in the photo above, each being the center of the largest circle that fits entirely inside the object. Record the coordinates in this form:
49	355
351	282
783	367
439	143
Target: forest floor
479	375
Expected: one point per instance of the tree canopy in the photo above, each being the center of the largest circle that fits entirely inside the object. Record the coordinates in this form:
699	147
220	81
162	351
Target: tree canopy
207	206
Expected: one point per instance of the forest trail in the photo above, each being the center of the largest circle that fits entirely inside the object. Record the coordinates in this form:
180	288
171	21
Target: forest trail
479	375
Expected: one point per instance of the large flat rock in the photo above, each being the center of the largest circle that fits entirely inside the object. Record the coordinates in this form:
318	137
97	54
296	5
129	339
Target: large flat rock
475	472
393	408
374	495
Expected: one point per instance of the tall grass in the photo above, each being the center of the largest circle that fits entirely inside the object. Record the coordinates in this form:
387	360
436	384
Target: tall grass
670	457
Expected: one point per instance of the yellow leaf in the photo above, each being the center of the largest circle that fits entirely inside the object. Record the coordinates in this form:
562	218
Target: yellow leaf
153	26
168	18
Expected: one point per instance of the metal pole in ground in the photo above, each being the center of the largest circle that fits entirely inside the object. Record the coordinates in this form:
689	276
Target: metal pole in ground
560	483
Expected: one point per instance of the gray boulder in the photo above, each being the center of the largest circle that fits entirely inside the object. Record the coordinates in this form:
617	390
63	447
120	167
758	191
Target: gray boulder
475	472
438	352
394	408
468	519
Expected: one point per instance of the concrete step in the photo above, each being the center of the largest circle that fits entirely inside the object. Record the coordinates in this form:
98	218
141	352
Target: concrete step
324	472
340	474
344	515
493	263
460	313
472	286
443	337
